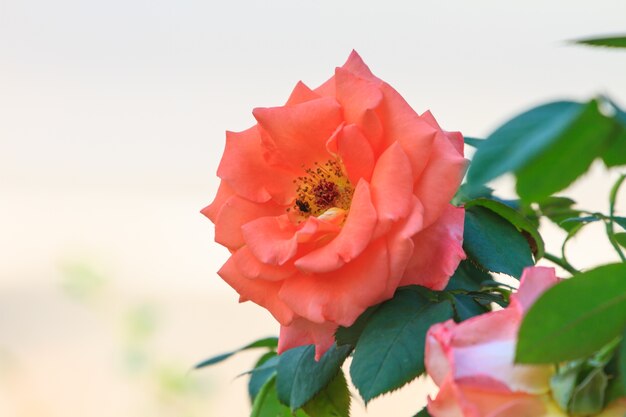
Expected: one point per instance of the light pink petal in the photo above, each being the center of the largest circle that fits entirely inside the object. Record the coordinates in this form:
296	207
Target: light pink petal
441	178
246	171
261	292
224	192
236	212
355	153
438	251
302	332
356	66
392	184
301	93
534	282
250	267
271	240
341	296
350	242
299	132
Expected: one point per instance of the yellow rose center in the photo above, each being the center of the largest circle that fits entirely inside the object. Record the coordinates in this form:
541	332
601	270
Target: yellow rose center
322	188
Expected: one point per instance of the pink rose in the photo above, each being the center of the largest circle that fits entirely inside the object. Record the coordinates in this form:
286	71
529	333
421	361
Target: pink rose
472	363
335	199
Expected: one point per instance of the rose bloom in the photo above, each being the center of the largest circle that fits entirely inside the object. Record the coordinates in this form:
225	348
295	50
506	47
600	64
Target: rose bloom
335	199
472	363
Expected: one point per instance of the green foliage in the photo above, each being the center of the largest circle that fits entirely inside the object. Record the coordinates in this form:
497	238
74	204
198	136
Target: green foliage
423	413
494	243
390	351
588	396
620	238
521	223
618	41
468	277
332	401
575	317
266	404
542	147
264	369
300	377
465	307
559	209
268	342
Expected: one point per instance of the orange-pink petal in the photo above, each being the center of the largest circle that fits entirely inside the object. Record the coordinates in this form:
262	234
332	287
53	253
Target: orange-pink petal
271	240
303	332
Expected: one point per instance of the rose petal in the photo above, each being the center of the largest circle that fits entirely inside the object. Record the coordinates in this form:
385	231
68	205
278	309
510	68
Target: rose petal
342	295
438	251
250	267
350	242
261	292
299	132
355	153
303	332
301	93
271	239
534	282
224	192
247	172
441	178
236	212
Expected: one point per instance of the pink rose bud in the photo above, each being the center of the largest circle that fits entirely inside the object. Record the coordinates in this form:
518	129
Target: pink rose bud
335	199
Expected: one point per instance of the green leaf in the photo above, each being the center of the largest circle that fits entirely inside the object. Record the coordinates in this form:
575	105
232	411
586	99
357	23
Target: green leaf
615	154
258	377
268	342
621	361
466	307
621	221
495	244
473	142
390	351
467	277
518	140
618	41
558	209
588	396
300	377
515	218
332	401
621	239
350	335
576	317
266	403
563	383
561	161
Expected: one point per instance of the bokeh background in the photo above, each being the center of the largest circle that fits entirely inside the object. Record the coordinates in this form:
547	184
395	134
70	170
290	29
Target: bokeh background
112	120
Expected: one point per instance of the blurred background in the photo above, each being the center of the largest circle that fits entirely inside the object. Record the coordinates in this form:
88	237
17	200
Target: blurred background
112	120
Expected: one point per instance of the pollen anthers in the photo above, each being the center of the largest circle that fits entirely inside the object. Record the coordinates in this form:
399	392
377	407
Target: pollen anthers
323	187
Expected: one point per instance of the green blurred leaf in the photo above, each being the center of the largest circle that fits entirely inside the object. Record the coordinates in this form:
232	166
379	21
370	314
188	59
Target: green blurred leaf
563	383
588	396
561	160
621	361
515	218
266	403
332	401
519	139
618	41
390	351
621	239
473	142
300	377
542	147
468	277
575	318
583	219
465	307
558	209
621	221
268	342
258	377
350	335
495	244
615	154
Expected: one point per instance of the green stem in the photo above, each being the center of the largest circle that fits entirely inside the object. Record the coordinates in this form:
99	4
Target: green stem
610	228
561	262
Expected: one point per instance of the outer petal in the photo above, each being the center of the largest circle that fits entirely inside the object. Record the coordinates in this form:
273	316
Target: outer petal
246	171
301	93
224	192
350	242
441	178
534	282
303	332
438	251
250	267
340	296
299	132
272	240
236	212
263	293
